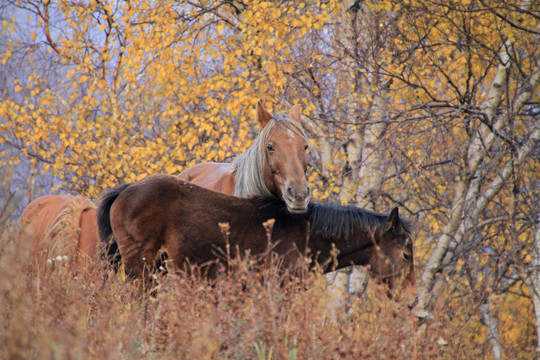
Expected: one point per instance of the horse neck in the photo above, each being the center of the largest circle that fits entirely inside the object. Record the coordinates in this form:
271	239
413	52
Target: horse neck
353	231
346	225
248	169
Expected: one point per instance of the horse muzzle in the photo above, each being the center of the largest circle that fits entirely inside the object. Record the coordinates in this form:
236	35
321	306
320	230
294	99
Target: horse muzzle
297	201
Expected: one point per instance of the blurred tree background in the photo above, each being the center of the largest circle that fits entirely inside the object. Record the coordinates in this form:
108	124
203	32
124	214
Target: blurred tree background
430	105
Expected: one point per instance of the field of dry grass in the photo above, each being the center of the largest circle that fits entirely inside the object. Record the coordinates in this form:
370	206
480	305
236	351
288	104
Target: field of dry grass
252	312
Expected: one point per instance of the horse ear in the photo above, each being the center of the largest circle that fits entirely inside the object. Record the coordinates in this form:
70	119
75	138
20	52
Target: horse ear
295	113
394	222
263	116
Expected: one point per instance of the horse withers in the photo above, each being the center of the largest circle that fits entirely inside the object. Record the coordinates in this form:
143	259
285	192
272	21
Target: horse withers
59	226
273	166
163	212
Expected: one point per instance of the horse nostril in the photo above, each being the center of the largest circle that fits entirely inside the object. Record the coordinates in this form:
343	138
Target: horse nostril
290	193
298	195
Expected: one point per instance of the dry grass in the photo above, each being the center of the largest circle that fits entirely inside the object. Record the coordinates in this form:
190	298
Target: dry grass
252	312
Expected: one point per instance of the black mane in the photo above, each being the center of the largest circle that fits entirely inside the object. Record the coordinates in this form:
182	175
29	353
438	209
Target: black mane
336	222
343	221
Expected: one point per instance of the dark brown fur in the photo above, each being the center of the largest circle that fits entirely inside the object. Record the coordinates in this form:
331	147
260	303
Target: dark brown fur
162	211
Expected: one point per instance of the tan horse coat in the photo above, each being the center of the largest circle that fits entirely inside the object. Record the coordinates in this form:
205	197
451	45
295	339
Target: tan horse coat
59	225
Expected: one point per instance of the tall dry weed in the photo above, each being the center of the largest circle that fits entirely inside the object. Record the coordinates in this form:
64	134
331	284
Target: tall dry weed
252	310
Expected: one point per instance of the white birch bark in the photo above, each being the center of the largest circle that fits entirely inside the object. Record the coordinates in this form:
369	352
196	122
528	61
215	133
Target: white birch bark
341	285
465	193
324	147
364	153
469	202
533	281
347	40
492	326
371	172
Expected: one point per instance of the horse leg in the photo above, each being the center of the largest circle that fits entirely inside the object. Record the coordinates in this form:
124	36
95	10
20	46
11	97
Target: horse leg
172	258
133	257
138	258
174	245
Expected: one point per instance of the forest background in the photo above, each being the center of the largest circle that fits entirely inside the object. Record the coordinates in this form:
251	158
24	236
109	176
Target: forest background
430	105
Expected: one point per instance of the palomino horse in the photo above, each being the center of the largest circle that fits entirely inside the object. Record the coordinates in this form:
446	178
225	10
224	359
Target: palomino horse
60	225
274	166
162	211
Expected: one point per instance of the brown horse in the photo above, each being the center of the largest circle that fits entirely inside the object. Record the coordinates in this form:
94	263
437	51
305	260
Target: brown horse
164	212
60	225
274	166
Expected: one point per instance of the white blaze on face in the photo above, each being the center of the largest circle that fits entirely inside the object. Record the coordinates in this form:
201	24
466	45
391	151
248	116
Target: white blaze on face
290	134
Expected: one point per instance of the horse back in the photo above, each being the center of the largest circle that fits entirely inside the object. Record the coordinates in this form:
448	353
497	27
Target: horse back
151	207
38	217
212	176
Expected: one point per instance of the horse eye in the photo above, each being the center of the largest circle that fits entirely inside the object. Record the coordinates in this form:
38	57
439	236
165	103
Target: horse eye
407	256
305	148
270	148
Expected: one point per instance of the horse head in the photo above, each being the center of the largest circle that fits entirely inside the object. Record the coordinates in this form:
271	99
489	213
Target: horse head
392	261
381	242
284	144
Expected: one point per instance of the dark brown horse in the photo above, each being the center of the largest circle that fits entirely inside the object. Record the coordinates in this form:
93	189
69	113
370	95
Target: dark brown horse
274	165
162	211
59	225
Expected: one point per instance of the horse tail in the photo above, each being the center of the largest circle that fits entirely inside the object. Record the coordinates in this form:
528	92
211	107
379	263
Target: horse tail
64	235
110	250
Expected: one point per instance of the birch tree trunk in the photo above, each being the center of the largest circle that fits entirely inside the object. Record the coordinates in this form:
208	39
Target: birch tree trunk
533	282
492	325
347	38
469	201
362	43
371	171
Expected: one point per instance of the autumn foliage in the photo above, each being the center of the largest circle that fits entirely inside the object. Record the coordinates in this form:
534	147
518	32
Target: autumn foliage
432	106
